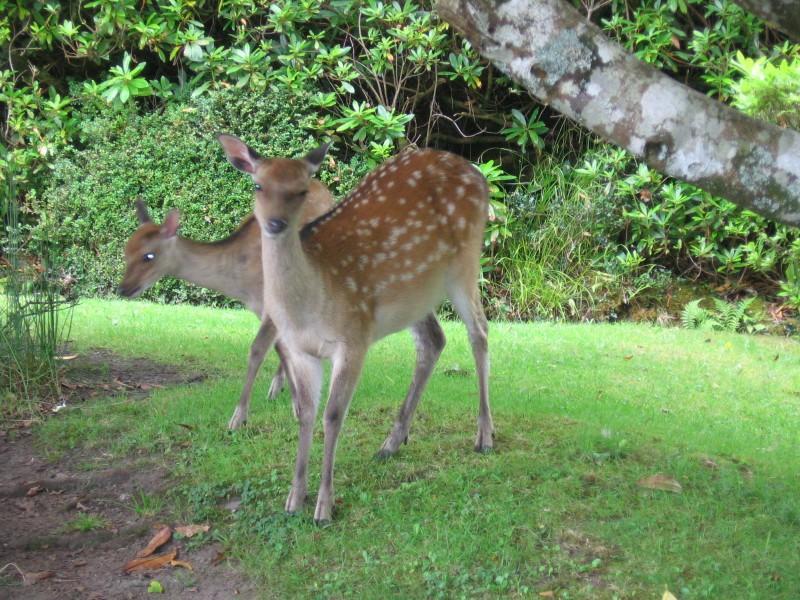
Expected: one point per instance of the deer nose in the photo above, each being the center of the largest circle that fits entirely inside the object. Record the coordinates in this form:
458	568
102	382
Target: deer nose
275	226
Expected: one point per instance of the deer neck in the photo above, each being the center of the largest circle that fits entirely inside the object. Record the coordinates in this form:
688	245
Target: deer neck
294	289
224	269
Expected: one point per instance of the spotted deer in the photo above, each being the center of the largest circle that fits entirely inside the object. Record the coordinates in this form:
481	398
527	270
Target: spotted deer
408	236
231	266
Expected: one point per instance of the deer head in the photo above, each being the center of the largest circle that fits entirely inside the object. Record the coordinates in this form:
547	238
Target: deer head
280	185
148	253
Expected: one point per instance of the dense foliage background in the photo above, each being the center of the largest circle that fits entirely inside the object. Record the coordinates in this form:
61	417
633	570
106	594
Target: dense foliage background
108	100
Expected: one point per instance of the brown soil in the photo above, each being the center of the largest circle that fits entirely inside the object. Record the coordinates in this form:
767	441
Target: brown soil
41	558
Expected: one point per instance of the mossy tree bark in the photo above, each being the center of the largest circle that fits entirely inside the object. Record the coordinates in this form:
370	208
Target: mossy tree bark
565	61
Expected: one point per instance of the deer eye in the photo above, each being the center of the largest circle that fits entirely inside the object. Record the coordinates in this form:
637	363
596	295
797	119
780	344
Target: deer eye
257	186
148	257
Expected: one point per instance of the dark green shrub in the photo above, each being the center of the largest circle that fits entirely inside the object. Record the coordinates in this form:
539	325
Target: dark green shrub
171	160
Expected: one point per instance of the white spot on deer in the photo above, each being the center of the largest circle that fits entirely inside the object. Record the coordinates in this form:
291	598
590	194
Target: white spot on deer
406	277
412	182
408	262
401	200
363	306
451	208
378	258
390	184
351	284
417	174
393	168
460	191
374	222
363	261
381	198
461	223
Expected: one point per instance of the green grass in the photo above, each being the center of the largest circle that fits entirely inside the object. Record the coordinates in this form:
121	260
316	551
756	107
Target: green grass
86	523
582	413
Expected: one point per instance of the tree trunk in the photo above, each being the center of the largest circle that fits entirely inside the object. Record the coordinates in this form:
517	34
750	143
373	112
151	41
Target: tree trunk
567	62
783	15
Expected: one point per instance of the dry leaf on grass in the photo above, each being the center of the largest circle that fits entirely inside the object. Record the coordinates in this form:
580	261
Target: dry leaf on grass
660	482
36	577
547	594
159	539
668	596
181	563
151	563
192	530
709	464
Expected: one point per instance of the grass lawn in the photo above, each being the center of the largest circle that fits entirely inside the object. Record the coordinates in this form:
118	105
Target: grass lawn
582	413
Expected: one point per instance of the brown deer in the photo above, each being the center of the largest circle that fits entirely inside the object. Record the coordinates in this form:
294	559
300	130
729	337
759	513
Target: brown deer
231	266
409	235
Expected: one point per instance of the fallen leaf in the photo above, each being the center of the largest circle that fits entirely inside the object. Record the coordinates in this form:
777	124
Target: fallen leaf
81	506
151	563
34	490
746	472
67	357
668	596
630	356
218	558
36	577
186	426
547	594
660	482
181	563
159	539
155	587
192	530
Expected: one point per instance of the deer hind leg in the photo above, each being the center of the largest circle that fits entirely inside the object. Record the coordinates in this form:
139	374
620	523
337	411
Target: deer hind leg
280	378
306	373
258	349
430	342
466	300
344	376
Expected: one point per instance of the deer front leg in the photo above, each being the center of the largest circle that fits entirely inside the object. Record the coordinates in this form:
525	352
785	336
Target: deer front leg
258	349
344	376
306	373
430	342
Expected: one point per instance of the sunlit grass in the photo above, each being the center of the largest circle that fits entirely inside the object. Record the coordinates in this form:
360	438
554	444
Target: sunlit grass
582	413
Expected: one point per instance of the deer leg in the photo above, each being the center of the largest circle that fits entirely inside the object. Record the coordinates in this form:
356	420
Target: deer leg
279	379
430	342
467	303
344	376
258	349
306	373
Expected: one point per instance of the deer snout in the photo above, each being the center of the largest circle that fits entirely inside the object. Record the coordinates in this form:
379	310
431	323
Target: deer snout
275	226
129	290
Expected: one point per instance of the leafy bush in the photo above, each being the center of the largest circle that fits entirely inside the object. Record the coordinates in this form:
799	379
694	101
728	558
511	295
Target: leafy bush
169	159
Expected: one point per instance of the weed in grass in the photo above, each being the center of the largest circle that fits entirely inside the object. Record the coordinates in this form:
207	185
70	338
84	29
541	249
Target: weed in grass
147	505
86	523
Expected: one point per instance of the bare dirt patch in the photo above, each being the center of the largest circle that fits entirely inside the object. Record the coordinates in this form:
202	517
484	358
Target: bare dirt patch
99	372
67	533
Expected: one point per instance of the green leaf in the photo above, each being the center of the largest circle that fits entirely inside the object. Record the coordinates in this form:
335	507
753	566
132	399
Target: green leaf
155	587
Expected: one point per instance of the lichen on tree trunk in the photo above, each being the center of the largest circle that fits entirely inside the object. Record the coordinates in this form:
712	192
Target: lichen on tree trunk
567	62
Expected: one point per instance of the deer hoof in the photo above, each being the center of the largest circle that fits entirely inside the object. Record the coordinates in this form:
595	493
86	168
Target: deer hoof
384	454
294	503
237	420
484	442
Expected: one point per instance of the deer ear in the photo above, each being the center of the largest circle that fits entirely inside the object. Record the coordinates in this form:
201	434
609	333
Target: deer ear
171	223
240	155
141	212
314	158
